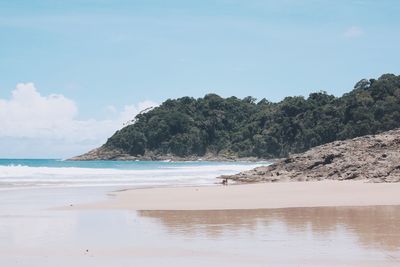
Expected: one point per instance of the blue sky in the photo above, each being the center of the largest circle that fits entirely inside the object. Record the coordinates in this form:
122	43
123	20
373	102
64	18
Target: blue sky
105	55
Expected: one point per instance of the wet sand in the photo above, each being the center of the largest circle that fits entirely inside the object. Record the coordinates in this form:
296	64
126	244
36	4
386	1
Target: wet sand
31	234
254	196
374	226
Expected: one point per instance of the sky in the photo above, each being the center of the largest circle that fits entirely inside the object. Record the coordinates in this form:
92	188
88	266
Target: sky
72	72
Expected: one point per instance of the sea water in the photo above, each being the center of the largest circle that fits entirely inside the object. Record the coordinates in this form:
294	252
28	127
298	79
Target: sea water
33	173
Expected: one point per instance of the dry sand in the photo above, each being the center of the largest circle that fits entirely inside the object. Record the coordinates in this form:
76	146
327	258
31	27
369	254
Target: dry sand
254	196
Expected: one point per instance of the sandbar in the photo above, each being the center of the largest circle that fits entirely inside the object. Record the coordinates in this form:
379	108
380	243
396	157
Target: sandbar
253	196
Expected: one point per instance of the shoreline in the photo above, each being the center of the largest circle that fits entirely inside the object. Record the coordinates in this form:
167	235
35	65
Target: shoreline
107	154
175	159
251	196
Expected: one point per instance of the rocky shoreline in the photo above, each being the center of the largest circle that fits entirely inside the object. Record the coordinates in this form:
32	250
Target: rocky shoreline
375	158
104	153
372	157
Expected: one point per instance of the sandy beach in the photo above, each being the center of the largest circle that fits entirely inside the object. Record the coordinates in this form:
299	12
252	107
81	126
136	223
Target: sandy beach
254	196
103	230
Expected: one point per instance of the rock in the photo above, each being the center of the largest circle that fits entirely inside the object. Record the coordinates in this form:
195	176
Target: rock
107	153
373	157
102	153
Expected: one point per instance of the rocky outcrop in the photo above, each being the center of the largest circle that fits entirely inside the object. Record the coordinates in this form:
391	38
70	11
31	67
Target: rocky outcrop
372	157
103	153
106	153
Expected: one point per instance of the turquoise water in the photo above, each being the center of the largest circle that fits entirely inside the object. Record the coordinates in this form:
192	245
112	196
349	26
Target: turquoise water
20	173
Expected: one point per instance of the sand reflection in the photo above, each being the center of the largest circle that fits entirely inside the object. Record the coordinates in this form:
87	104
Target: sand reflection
375	227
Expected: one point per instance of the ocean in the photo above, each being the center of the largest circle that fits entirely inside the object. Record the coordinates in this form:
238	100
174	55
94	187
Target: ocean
39	173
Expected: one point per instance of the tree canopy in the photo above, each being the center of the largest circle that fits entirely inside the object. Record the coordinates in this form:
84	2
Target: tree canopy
244	127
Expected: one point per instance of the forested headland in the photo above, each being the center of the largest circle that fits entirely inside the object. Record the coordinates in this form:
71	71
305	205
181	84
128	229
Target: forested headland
233	127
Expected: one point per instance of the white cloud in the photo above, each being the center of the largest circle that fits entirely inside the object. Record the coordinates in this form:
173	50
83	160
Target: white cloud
353	32
48	125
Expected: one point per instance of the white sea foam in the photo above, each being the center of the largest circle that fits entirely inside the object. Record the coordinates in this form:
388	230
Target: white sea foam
25	176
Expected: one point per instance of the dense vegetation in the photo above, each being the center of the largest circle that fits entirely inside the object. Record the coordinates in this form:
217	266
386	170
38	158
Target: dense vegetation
244	127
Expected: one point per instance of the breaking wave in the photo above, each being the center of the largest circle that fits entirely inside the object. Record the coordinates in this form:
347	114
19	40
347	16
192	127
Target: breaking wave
12	176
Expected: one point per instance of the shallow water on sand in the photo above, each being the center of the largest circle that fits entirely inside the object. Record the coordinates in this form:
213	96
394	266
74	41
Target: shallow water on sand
33	235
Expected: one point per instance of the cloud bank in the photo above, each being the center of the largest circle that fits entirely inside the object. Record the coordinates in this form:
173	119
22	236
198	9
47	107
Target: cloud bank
33	125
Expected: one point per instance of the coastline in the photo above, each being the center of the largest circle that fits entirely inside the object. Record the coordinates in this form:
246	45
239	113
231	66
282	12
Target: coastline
252	196
106	154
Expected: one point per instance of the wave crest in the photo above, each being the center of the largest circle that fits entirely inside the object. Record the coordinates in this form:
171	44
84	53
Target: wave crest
165	175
